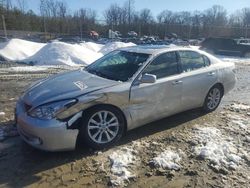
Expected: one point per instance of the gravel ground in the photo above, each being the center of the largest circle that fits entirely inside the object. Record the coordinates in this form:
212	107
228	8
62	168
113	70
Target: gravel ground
190	149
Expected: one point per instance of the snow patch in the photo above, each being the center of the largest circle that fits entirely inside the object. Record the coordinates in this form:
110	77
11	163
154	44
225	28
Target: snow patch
122	162
238	107
2	113
212	145
18	50
27	69
168	159
241	123
238	122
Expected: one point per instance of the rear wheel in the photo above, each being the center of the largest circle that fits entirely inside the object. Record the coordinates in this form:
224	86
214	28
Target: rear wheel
102	126
213	98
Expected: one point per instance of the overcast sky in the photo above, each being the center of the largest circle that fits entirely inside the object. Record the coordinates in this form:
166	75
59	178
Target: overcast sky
156	6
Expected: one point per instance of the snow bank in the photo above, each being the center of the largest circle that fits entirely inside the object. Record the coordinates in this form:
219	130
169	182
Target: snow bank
58	53
121	166
109	47
221	152
167	160
18	50
92	46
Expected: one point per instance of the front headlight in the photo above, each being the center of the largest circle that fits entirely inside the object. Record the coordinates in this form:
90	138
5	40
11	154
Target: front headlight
50	110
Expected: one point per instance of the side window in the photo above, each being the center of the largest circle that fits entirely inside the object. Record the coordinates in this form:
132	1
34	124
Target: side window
192	60
163	65
206	60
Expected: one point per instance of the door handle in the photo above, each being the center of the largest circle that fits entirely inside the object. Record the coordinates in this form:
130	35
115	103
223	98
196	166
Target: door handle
176	82
211	74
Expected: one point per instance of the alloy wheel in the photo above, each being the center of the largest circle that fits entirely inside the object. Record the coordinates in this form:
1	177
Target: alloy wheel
103	127
213	99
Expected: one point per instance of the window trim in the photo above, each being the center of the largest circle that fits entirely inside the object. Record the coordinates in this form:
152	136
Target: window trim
202	56
158	55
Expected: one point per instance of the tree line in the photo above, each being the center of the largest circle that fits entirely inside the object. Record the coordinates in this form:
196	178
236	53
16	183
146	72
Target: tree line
54	16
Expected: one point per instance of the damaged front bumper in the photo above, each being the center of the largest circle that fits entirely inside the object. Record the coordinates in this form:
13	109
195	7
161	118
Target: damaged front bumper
49	135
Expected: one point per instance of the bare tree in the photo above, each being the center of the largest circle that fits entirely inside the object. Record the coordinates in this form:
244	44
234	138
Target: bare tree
22	4
113	14
246	16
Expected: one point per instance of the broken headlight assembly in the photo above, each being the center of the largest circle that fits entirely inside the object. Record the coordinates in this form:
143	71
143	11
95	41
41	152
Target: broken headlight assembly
50	110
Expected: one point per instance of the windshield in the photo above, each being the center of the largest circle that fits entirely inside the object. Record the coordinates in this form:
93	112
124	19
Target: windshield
118	65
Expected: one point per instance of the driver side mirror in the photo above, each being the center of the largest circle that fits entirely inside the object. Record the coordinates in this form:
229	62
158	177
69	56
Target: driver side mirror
148	78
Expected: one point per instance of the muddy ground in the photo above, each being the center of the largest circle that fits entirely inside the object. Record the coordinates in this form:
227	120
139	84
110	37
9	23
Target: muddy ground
185	134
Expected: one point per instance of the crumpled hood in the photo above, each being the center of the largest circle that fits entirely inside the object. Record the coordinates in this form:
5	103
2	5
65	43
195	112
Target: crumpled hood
65	86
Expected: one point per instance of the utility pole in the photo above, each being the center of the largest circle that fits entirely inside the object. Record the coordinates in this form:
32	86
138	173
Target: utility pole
4	26
45	31
189	33
129	12
246	31
81	27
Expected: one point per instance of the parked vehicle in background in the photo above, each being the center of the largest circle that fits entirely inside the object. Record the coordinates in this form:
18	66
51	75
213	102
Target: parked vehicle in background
225	46
132	34
71	39
243	41
194	42
94	35
180	42
124	89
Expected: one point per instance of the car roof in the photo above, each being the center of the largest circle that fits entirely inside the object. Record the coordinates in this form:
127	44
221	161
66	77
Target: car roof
154	49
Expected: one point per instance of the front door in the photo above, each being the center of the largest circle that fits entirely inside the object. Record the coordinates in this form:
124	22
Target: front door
149	102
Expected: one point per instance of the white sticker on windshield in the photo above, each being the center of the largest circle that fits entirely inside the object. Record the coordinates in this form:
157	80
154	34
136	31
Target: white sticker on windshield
80	85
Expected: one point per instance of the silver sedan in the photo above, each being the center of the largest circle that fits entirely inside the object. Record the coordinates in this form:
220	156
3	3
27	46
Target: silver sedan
121	91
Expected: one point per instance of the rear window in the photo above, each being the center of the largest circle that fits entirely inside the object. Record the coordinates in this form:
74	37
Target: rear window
191	60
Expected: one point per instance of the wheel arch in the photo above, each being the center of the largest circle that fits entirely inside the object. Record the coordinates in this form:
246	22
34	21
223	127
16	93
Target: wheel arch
108	105
204	106
220	85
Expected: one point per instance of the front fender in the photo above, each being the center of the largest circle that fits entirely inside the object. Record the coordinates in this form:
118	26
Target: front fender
83	103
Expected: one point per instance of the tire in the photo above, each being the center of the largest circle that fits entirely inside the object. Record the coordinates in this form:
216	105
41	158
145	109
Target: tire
213	98
101	127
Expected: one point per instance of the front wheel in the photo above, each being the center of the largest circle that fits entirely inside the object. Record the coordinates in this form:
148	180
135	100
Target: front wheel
213	98
102	126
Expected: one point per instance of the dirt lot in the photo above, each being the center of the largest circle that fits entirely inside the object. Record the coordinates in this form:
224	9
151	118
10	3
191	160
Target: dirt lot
190	149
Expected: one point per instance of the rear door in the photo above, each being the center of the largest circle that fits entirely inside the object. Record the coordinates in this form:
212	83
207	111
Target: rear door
197	77
153	101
